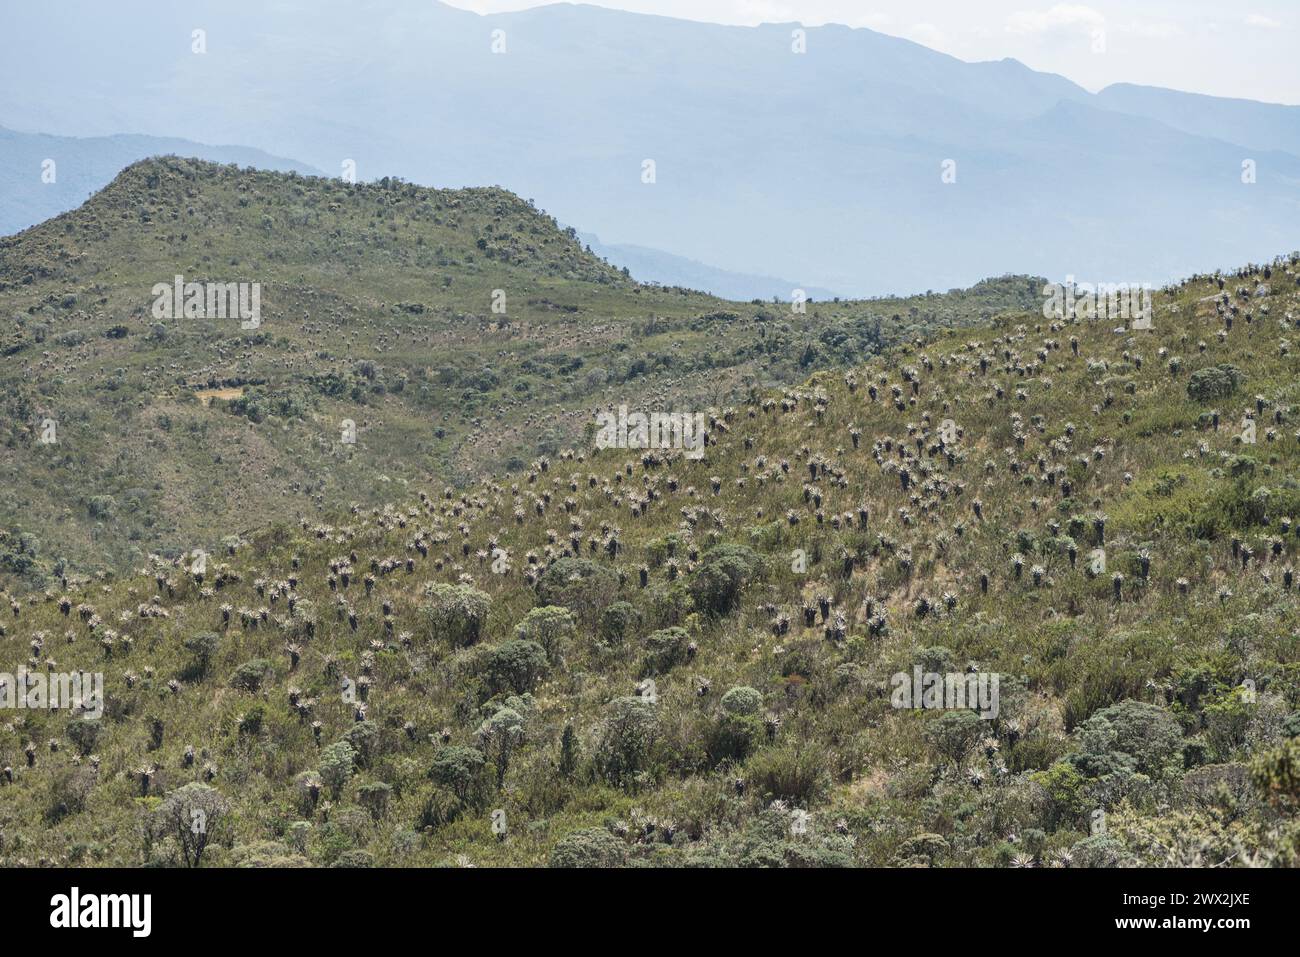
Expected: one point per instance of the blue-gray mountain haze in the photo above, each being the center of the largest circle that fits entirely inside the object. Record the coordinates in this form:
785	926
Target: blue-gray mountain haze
821	169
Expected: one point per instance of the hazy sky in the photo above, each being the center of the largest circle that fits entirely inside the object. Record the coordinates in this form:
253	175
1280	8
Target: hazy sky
1245	48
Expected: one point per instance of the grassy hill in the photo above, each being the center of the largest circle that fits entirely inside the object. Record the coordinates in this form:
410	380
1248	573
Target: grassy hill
81	166
377	307
463	676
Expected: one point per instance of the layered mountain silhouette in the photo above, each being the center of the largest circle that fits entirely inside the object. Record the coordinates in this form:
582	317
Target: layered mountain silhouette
825	167
42	176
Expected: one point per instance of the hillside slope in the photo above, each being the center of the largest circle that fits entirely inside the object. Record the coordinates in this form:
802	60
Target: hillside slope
460	332
31	192
630	657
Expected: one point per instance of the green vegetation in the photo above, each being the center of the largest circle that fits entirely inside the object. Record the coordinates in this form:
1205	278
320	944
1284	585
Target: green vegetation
626	657
377	308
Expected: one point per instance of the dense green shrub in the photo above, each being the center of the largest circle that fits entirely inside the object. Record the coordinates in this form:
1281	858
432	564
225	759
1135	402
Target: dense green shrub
455	613
1214	382
742	701
550	626
723	573
578	584
250	675
617	622
203	647
628	739
458	769
665	649
590	847
337	762
739	728
1130	736
516	666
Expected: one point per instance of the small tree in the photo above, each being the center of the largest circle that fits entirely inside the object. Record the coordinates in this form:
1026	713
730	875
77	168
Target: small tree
549	626
500	734
455	612
723	574
590	847
191	814
953	734
203	647
516	666
628	739
457	768
336	763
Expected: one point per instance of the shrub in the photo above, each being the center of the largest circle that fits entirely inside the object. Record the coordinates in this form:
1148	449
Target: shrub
250	675
84	734
627	742
664	649
101	507
264	854
458	769
336	764
500	734
591	847
617	622
203	647
374	796
739	729
1100	850
921	850
364	740
455	612
742	700
1214	382
766	841
953	734
723	573
733	737
1066	798
549	626
1130	736
354	858
579	584
1276	774
516	666
68	789
191	815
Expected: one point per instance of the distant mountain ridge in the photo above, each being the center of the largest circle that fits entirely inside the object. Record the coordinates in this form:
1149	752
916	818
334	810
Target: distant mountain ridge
827	165
87	164
1263	126
655	265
